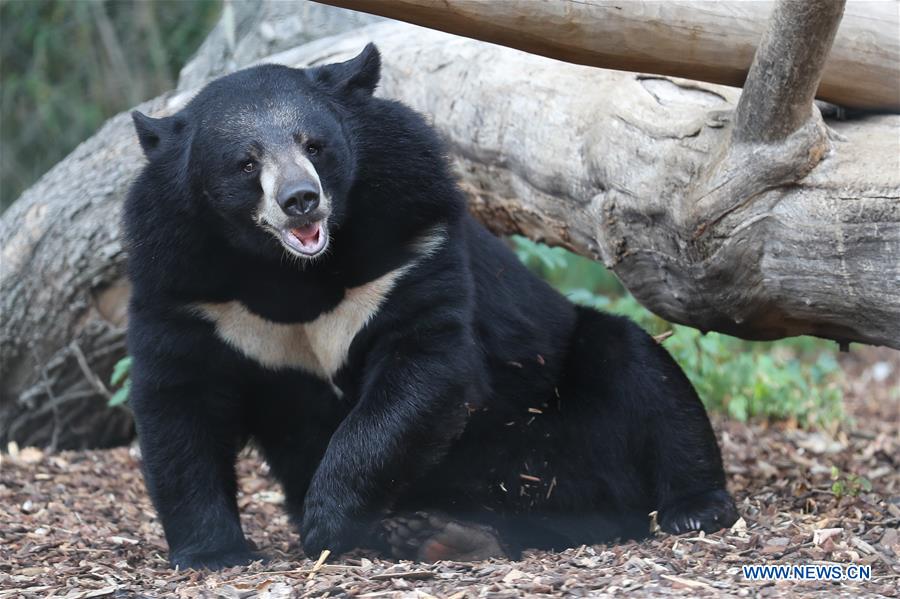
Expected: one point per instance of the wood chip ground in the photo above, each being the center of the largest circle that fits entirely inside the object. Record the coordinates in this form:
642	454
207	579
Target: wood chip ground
79	525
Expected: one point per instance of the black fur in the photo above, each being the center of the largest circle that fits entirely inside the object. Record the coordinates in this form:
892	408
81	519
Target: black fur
437	387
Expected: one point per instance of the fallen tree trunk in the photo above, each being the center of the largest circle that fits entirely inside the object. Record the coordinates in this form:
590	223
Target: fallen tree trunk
607	172
705	41
759	239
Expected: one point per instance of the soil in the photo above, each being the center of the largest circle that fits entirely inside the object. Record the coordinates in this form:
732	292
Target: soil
79	525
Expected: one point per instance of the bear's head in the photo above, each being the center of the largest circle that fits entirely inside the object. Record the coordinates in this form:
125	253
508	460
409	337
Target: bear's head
267	152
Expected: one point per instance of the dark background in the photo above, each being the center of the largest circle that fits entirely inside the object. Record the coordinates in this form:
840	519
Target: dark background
68	65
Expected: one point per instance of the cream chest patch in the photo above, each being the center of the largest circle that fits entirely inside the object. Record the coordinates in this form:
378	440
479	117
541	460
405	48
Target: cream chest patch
320	346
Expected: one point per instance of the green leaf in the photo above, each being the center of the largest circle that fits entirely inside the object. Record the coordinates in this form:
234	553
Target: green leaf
838	489
120	371
586	298
120	396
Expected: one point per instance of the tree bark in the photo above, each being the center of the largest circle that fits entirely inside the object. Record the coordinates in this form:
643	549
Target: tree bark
613	171
706	41
62	296
777	98
250	30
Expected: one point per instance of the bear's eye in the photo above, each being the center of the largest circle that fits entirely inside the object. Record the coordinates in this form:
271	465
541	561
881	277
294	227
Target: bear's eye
249	167
313	148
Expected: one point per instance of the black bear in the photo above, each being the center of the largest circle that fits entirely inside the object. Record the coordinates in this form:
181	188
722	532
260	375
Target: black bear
305	275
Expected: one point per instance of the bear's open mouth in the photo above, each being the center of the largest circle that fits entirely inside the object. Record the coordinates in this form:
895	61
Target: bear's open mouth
306	240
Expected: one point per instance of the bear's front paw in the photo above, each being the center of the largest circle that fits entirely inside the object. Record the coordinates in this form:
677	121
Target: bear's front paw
323	528
215	560
324	531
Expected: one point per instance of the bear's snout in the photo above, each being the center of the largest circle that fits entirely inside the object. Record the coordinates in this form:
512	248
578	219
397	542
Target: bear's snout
298	198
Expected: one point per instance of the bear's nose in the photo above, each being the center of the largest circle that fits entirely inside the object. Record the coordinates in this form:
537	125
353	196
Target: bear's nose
297	199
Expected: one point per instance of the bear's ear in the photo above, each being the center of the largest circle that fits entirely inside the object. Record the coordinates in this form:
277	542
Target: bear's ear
359	73
153	132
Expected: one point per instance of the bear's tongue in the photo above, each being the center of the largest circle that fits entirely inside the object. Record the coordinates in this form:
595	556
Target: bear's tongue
308	235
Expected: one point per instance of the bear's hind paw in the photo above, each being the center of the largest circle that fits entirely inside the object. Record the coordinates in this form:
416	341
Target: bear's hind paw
709	512
433	536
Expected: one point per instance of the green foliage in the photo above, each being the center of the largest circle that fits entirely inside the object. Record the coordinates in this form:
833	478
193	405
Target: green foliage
565	270
848	485
120	378
66	66
796	378
120	371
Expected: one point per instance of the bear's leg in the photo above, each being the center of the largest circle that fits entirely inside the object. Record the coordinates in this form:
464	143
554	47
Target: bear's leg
293	417
189	443
293	456
643	398
411	406
690	481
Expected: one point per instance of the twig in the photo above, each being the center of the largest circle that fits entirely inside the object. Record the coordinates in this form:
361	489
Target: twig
412	575
89	374
550	489
663	336
319	563
696	584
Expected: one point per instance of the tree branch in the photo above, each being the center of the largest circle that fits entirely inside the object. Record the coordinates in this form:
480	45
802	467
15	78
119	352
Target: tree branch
704	41
780	88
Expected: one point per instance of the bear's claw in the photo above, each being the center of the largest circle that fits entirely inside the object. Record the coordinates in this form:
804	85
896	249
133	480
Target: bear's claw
708	512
